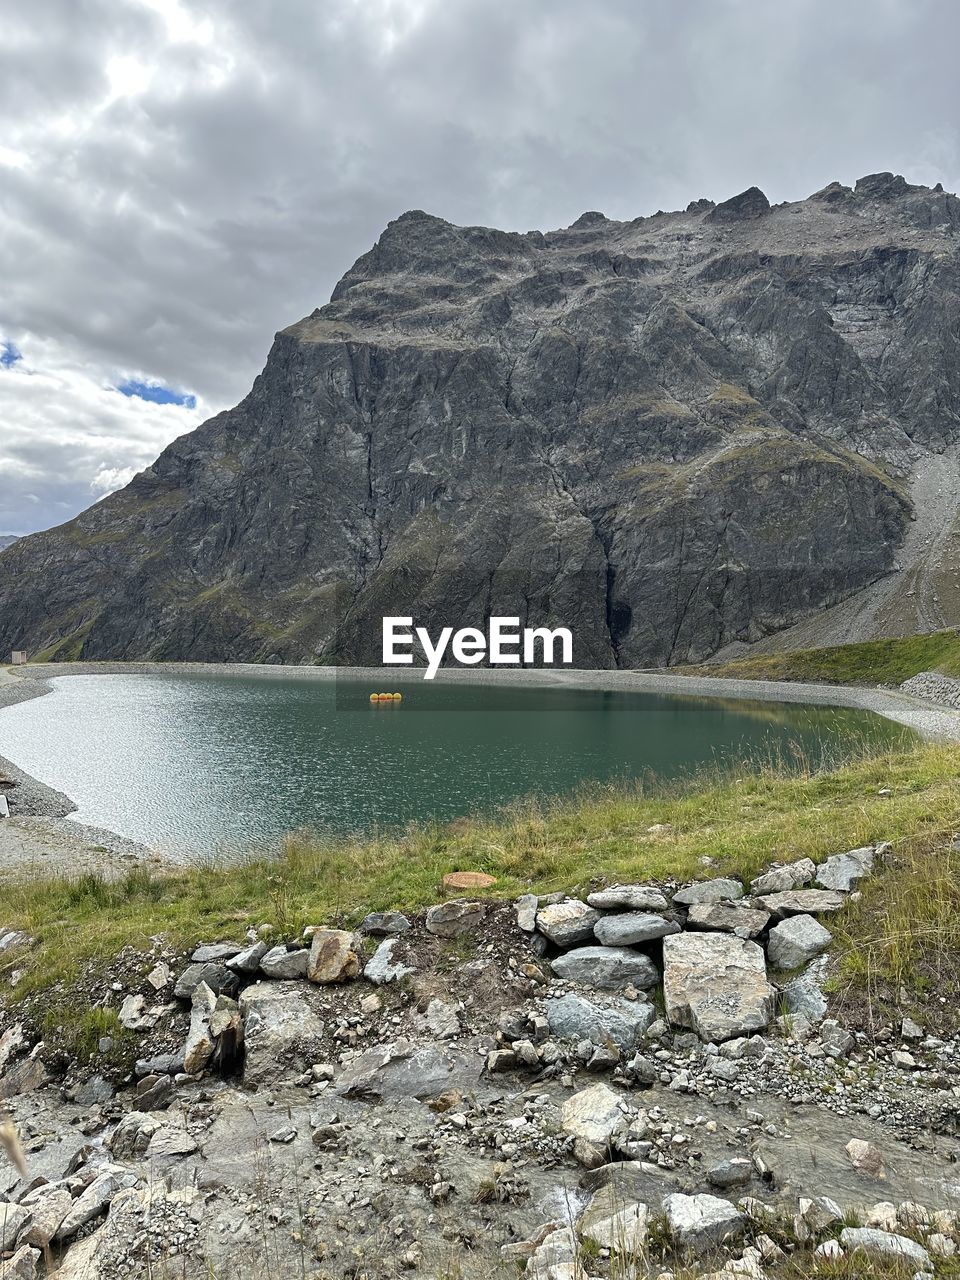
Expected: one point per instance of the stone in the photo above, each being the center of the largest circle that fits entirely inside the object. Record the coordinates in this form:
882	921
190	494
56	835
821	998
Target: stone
728	917
278	1026
844	871
441	1019
884	1244
567	923
731	1173
620	1023
455	918
248	960
159	976
556	1258
379	924
607	968
701	1223
502	1060
169	1142
333	957
526	907
941	1246
866	1158
623	1232
216	951
797	941
836	1040
13	1219
213	974
457	881
799	902
716	985
48	1205
632	928
22	1265
200	1044
132	1135
381	968
628	897
720	890
792	876
910	1030
131	1013
95	1200
280	963
594	1114
804	1003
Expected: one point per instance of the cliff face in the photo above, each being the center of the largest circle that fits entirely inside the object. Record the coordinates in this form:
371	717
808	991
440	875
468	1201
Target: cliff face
668	434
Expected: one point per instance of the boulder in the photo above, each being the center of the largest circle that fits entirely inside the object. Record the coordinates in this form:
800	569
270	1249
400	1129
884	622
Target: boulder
866	1158
736	1172
716	985
621	1023
441	1020
632	928
728	917
567	923
381	968
280	963
200	1044
13	1219
884	1244
844	871
792	876
248	960
132	1135
698	1224
594	1114
49	1205
22	1265
556	1258
380	924
628	897
332	957
720	890
801	902
214	974
526	907
796	942
216	951
95	1199
454	918
608	968
622	1232
803	1001
279	1026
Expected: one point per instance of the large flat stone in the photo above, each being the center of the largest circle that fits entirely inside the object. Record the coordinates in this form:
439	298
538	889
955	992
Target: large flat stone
716	985
800	902
281	1031
719	890
844	871
628	897
792	876
699	1224
594	1114
728	917
567	923
633	927
797	941
607	968
620	1023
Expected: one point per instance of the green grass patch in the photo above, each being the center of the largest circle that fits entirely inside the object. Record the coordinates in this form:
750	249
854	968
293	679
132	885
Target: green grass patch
887	662
908	920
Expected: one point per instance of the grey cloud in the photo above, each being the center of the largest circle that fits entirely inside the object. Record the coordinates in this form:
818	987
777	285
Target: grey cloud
173	231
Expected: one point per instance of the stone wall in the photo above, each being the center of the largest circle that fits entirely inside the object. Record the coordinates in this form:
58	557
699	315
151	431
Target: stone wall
935	688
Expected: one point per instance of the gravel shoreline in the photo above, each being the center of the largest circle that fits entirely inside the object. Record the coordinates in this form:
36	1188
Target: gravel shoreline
40	830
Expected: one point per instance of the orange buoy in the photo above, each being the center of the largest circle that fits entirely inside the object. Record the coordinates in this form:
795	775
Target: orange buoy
383	697
373	697
396	696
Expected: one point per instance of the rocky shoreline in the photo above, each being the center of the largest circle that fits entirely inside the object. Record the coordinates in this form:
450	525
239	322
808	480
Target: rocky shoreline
647	1080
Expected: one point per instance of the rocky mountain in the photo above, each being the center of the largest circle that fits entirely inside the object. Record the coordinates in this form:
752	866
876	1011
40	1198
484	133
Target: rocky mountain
670	434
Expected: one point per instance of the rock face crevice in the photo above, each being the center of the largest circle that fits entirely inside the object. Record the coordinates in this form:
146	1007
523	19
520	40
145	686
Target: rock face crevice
669	434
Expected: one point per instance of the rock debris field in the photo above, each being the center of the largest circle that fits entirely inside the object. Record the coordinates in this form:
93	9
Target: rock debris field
643	1081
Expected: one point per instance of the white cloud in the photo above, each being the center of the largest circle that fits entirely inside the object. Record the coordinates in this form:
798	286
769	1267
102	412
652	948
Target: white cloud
182	179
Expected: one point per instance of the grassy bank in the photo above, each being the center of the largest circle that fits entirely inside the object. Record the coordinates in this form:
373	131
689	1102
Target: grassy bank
886	662
906	928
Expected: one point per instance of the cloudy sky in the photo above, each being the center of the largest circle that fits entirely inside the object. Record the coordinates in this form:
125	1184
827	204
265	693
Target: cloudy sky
181	178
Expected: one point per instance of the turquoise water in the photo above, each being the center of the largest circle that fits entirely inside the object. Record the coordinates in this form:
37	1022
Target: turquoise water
199	764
